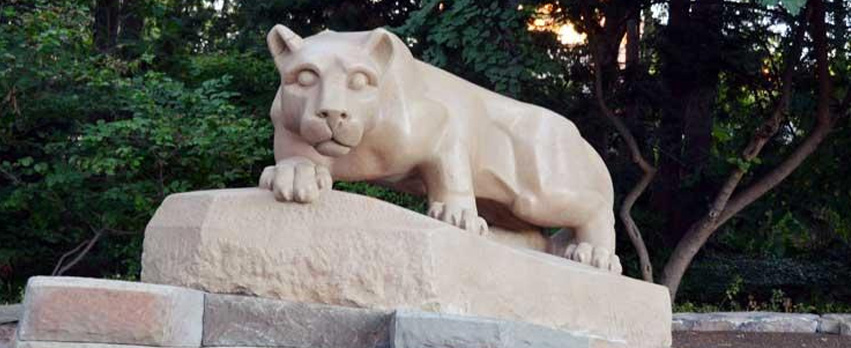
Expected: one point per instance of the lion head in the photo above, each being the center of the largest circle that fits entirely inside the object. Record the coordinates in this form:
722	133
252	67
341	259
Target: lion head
331	84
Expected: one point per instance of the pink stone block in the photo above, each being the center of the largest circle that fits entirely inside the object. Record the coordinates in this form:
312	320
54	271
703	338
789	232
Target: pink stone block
68	309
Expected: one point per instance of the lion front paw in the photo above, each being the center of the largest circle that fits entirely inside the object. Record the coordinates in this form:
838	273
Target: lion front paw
595	256
296	180
464	218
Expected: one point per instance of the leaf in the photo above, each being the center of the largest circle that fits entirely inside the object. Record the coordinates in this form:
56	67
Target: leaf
793	6
26	161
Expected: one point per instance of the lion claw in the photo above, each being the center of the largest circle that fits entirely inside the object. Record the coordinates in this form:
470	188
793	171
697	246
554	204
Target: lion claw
463	218
296	180
594	256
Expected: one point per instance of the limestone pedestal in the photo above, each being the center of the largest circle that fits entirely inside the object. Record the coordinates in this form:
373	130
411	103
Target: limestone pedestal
356	251
66	312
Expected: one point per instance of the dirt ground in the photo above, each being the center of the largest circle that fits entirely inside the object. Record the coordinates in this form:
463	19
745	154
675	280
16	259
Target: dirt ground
758	340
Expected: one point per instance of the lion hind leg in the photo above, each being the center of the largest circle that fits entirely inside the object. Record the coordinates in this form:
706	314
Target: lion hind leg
594	244
588	213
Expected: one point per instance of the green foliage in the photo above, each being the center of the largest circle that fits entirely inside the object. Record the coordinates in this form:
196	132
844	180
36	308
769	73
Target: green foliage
793	6
482	41
405	200
733	291
737	281
689	307
92	141
93	144
777	301
111	174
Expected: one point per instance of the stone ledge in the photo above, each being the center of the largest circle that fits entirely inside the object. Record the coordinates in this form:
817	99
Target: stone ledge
54	344
243	321
240	321
833	324
357	251
746	322
109	314
7	335
845	328
417	329
87	310
11	313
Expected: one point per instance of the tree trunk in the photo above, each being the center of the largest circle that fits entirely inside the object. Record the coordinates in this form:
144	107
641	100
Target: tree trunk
106	25
132	24
705	27
633	120
605	47
607	37
726	205
691	68
670	129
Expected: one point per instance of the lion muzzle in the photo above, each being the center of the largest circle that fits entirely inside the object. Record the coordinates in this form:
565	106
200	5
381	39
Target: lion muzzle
344	134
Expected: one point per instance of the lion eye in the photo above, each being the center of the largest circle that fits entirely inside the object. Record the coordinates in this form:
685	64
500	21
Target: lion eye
358	81
307	78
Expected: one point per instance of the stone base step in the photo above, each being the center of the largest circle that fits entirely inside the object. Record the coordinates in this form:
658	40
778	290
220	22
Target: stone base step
763	322
66	312
355	251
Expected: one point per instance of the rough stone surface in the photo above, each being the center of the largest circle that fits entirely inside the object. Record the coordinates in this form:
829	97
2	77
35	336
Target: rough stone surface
241	321
418	329
54	344
7	335
831	323
746	322
71	309
11	313
350	250
845	328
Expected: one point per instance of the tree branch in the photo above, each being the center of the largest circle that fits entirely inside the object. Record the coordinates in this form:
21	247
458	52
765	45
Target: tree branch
15	180
59	263
700	231
86	245
625	212
824	125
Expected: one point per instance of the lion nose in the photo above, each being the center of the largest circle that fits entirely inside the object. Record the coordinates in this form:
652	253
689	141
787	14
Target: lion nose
326	113
334	118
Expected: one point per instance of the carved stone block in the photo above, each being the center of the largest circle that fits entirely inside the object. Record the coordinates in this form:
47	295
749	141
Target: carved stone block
68	309
242	321
355	251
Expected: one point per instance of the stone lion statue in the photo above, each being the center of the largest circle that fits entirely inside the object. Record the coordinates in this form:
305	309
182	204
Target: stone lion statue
357	106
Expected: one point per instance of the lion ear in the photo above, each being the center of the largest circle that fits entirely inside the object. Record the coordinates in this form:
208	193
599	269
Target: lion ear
379	44
282	41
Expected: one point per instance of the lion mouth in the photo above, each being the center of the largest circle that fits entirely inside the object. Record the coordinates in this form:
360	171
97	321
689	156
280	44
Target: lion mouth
332	148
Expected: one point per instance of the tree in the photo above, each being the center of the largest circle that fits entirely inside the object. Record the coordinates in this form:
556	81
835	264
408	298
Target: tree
727	202
606	26
692	64
690	54
108	106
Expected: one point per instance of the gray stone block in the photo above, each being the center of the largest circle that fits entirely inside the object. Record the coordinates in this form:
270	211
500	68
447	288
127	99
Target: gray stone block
254	322
71	309
845	328
746	322
53	344
7	335
831	323
241	321
417	329
11	313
